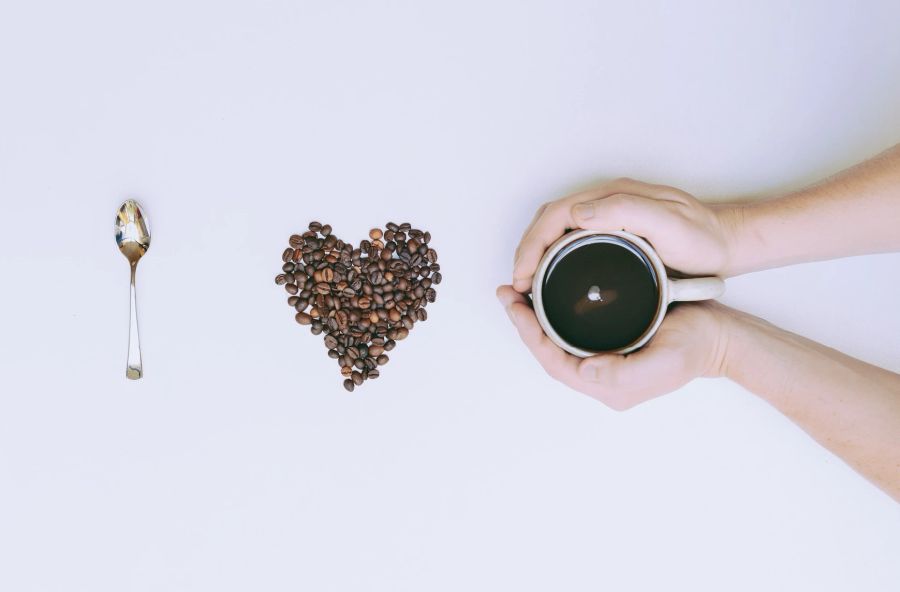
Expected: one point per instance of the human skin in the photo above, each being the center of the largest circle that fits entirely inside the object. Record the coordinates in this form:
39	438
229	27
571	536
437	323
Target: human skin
850	407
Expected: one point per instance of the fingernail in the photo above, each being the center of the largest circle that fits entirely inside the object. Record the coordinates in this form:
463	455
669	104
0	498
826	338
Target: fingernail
585	211
512	315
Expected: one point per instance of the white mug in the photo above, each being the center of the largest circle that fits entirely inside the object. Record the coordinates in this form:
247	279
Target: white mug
670	289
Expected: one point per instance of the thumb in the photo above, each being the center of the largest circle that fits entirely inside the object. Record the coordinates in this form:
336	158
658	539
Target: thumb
643	216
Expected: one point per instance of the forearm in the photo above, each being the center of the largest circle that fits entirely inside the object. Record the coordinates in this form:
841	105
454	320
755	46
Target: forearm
853	213
850	407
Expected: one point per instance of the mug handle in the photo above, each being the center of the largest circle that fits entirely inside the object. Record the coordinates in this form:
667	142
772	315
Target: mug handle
691	289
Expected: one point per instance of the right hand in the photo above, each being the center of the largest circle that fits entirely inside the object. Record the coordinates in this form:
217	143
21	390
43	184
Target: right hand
690	236
692	341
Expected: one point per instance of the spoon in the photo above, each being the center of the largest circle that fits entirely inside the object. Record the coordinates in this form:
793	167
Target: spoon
133	238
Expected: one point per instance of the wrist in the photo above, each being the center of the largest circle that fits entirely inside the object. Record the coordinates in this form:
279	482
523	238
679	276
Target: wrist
735	221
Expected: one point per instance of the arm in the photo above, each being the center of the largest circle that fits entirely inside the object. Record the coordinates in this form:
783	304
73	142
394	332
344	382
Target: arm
853	213
849	407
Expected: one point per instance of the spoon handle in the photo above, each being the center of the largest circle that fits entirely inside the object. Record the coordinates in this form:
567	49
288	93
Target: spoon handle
135	369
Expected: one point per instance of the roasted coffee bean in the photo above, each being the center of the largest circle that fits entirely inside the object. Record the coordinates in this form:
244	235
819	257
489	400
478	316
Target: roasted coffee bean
365	298
349	385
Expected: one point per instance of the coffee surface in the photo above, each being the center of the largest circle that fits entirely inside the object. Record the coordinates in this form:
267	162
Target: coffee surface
600	296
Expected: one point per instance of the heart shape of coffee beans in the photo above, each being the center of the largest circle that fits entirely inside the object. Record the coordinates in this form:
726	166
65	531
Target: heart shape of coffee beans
363	299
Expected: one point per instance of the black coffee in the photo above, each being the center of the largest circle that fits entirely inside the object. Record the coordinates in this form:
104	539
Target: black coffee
600	295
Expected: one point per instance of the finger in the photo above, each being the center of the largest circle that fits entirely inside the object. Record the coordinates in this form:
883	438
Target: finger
553	223
553	219
537	216
639	215
557	363
623	381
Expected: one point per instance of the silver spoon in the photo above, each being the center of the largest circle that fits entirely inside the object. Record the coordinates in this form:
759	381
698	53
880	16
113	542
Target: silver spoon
133	238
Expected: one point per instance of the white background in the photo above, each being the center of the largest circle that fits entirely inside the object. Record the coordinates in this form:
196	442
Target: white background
239	462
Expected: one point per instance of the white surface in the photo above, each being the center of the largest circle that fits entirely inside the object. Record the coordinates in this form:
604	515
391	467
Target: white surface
239	463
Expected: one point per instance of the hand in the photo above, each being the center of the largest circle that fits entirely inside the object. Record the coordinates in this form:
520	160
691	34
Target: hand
688	235
691	342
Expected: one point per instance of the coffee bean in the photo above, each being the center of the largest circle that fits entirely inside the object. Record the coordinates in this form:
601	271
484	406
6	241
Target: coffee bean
365	298
349	385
